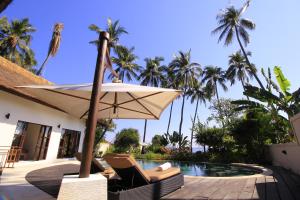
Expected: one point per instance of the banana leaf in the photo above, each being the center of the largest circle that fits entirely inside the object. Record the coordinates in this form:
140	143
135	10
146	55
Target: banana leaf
283	82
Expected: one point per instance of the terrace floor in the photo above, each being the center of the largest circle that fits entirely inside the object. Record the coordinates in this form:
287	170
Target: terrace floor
282	185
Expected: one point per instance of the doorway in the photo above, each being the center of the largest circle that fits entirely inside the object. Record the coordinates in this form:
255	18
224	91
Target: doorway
32	140
69	143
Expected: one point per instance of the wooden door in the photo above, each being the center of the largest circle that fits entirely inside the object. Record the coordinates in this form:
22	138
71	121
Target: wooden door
69	143
18	142
42	144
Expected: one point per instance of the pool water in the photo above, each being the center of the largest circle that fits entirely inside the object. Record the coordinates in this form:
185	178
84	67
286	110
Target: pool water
204	169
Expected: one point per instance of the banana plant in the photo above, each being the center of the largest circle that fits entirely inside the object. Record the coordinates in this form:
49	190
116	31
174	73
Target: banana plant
282	102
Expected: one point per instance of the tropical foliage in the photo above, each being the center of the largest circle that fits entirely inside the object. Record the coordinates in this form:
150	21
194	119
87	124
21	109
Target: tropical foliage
238	69
152	75
232	24
223	112
177	140
125	62
199	94
15	38
187	74
212	77
103	126
241	128
114	29
127	140
274	99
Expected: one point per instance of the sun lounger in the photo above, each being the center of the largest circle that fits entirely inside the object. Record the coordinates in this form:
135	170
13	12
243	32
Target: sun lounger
97	165
137	183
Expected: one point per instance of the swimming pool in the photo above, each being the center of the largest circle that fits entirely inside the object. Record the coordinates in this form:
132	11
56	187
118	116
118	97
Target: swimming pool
204	169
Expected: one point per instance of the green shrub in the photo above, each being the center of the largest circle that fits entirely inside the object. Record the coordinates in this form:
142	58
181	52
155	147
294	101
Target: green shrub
152	156
127	140
159	140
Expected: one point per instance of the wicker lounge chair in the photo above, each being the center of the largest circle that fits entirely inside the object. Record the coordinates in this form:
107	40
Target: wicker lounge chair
137	183
97	165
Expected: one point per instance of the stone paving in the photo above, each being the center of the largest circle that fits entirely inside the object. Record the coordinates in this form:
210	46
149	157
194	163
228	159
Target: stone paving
13	185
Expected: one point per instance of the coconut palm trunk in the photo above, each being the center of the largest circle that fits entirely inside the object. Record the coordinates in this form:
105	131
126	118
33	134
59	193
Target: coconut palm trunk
219	105
247	59
144	137
182	110
53	46
39	72
194	120
170	117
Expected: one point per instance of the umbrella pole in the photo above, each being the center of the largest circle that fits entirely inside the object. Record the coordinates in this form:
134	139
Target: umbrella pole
87	151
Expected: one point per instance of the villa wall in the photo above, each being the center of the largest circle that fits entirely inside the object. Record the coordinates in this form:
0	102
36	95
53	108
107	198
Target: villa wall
286	155
25	110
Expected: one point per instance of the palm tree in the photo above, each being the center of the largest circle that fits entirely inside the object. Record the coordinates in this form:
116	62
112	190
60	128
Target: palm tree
170	82
187	73
212	77
152	75
4	4
125	63
114	29
199	94
15	40
231	23
53	46
239	69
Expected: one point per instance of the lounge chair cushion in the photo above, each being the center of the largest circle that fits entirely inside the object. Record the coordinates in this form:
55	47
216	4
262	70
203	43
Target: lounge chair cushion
157	175
125	161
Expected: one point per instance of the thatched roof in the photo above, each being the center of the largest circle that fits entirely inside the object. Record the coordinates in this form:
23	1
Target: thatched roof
12	75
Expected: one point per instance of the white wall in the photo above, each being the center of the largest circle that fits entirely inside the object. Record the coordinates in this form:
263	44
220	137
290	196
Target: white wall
25	110
290	160
295	121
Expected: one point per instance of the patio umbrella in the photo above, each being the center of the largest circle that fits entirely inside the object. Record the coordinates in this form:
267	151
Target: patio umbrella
117	101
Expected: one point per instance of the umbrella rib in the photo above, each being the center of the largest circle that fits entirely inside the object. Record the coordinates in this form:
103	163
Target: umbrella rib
135	111
70	95
127	109
134	99
100	102
137	100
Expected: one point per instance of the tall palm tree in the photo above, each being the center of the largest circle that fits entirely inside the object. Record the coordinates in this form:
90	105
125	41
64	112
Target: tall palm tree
239	69
4	4
114	29
231	23
199	94
212	77
187	73
53	46
171	82
125	63
15	40
152	75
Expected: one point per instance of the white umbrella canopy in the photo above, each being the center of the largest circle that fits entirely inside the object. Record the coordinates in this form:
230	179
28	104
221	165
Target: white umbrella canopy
118	100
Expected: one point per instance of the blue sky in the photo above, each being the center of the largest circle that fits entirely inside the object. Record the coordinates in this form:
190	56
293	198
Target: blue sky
161	28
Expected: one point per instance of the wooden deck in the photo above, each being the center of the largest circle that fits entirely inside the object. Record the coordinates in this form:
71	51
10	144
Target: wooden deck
283	185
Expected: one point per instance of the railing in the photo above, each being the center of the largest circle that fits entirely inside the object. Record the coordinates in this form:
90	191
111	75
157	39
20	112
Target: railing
9	155
3	155
13	156
4	152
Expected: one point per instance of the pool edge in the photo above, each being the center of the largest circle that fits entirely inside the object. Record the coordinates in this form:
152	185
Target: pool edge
265	172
